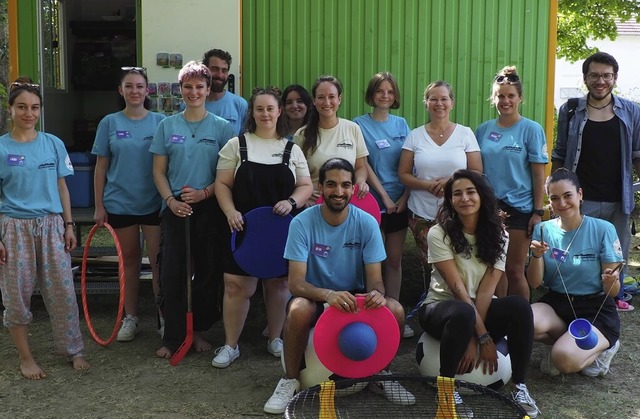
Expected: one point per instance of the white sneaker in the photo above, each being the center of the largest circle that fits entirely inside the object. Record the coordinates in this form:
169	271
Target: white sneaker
282	395
601	365
547	367
274	347
522	397
351	390
408	331
225	355
393	391
128	330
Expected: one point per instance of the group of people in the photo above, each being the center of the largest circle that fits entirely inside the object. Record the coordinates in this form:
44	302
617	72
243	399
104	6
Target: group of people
473	201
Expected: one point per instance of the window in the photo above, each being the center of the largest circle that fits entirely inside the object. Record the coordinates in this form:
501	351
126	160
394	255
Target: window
53	44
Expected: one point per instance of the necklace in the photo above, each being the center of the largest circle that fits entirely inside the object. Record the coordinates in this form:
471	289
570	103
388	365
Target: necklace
442	133
194	131
600	107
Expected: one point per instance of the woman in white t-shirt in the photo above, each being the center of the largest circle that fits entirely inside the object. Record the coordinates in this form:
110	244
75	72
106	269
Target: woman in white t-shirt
467	249
258	168
430	154
327	136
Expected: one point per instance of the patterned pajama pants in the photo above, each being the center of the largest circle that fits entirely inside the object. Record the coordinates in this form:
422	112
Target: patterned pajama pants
36	256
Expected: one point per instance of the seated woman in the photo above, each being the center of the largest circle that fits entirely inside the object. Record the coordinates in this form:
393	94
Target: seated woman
577	257
468	259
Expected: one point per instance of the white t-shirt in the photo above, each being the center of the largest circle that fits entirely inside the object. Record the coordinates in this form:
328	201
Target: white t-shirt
345	140
263	151
431	161
471	268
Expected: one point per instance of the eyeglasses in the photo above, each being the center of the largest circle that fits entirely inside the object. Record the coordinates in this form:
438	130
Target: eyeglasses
596	76
138	69
511	78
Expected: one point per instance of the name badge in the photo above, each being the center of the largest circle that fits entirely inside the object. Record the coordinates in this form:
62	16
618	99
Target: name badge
321	250
177	139
383	144
123	134
494	136
15	160
559	255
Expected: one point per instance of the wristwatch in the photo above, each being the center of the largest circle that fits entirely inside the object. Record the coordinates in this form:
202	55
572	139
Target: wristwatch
539	212
293	203
70	223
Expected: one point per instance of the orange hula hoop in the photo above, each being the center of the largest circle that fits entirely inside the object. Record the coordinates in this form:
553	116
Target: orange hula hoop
83	286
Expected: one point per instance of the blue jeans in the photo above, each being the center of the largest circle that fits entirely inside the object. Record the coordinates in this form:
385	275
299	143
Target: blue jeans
612	212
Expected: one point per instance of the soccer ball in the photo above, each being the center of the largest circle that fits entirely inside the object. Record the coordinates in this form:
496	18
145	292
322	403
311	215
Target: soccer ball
428	359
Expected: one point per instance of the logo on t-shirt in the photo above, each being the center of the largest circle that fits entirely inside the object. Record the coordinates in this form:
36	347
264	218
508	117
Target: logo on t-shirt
346	144
354	243
207	141
514	148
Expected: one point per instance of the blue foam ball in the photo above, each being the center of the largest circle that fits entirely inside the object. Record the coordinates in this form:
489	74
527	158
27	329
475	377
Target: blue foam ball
357	341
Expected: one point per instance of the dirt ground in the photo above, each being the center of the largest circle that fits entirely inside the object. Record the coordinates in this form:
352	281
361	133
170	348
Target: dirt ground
127	381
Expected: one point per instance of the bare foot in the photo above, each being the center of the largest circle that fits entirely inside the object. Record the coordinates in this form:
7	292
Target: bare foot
80	364
31	370
265	332
200	344
164	352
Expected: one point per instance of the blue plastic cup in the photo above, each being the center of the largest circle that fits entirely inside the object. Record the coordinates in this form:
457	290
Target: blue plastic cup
582	331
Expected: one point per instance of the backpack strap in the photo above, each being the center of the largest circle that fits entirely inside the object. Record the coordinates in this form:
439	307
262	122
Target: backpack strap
286	156
243	148
572	104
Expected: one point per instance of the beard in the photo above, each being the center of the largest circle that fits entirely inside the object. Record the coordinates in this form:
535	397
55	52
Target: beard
336	207
218	87
600	96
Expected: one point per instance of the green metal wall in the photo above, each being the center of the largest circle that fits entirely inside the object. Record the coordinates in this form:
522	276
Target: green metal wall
462	41
28	39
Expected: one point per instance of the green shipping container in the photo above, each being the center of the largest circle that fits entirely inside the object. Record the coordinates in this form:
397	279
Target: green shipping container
464	42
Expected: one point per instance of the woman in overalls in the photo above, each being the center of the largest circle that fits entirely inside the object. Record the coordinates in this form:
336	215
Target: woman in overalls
259	168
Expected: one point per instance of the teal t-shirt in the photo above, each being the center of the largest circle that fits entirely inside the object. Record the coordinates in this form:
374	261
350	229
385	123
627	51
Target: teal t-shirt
191	148
506	157
335	255
384	141
578	261
231	107
129	188
29	174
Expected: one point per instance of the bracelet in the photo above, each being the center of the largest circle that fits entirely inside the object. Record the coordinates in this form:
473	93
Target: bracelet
206	193
484	338
534	256
169	197
326	297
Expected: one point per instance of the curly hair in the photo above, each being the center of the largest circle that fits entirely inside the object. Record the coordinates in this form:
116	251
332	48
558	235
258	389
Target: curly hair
250	122
490	232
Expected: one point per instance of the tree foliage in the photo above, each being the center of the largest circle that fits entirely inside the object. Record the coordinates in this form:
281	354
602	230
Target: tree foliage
580	20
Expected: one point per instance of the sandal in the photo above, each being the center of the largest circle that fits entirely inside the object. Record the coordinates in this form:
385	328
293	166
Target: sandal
623	306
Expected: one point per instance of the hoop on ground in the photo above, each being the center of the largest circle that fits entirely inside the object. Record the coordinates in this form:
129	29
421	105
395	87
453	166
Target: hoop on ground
433	396
83	286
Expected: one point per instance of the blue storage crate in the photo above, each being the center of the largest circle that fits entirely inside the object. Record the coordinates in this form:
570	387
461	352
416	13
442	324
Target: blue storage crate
80	184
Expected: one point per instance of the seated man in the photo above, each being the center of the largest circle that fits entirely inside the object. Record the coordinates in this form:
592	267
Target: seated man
331	248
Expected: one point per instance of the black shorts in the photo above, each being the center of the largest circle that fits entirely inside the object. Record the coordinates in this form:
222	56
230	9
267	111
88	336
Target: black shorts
586	307
516	220
122	221
394	222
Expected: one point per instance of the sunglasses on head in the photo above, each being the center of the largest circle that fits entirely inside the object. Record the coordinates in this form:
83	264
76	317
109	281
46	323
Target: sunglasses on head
135	69
511	78
22	84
